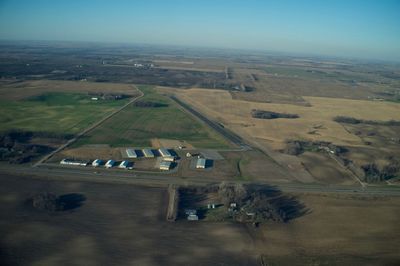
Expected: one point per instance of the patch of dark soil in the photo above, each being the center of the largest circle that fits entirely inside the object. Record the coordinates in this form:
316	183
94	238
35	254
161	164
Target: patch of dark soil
261	114
49	202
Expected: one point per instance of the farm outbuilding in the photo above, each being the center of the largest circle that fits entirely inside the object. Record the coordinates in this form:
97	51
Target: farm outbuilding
73	162
165	165
201	163
123	164
97	162
110	163
131	153
193	217
148	153
164	152
169	159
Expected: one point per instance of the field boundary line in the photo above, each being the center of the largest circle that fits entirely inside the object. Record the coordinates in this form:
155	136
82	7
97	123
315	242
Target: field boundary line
173	201
348	170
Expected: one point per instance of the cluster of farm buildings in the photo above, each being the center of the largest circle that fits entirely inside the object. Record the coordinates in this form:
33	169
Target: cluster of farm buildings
166	163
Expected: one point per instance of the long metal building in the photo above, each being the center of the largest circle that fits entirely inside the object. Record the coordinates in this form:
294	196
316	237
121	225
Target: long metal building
97	162
131	153
148	153
201	163
123	164
164	152
110	163
165	165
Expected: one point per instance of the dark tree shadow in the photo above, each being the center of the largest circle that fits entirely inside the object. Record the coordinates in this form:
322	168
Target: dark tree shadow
71	201
289	207
189	198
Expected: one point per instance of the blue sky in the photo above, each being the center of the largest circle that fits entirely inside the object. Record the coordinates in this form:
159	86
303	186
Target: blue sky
353	28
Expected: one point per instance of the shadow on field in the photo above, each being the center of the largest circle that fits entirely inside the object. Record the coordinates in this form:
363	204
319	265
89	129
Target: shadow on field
288	207
189	198
253	202
71	201
50	202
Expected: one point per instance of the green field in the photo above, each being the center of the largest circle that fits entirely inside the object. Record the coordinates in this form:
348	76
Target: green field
136	126
54	112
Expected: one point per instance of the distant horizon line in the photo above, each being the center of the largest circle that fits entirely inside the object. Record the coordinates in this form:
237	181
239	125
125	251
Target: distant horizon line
216	48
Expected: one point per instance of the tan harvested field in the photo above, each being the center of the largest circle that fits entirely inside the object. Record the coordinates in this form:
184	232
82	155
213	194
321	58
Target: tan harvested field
126	225
326	170
255	166
221	169
116	225
25	89
189	68
289	85
317	118
236	166
340	230
383	142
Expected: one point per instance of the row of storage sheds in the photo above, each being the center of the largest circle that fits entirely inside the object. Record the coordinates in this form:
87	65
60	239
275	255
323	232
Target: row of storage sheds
110	163
148	153
96	163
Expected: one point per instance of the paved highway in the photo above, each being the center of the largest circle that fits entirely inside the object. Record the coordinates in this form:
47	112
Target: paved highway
88	174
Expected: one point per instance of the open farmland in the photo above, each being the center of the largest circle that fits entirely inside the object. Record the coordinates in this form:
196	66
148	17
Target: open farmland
17	90
322	229
138	125
238	166
236	114
314	123
115	225
54	112
126	224
340	230
58	107
288	83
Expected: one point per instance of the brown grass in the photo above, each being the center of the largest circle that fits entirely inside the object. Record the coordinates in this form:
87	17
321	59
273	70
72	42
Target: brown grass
341	230
91	152
326	170
235	114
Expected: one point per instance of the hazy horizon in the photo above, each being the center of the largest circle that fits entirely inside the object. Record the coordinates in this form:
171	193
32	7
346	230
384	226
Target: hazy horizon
354	29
